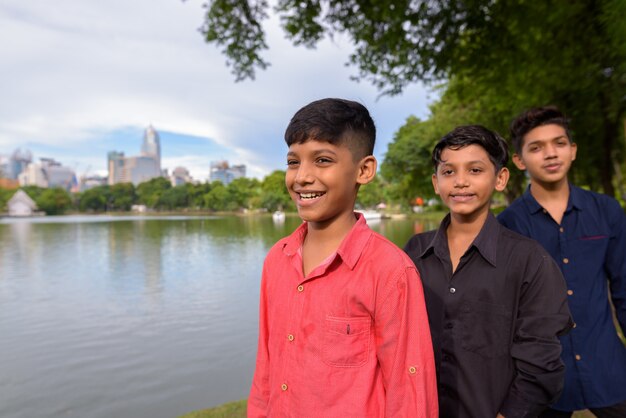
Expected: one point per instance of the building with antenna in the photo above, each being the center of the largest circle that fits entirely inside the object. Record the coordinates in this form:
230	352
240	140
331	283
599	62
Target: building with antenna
137	169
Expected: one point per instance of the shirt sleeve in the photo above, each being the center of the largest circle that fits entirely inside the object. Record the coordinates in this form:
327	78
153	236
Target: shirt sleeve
404	348
616	261
259	393
542	316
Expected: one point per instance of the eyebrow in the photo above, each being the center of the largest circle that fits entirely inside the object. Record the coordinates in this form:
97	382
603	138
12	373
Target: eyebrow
315	153
534	141
444	163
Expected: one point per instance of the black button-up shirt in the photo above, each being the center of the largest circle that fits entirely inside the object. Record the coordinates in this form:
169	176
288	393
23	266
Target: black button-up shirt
494	322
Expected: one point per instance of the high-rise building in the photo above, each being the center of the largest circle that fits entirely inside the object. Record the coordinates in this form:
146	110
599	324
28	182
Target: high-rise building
151	146
115	164
11	167
221	171
48	173
180	176
138	169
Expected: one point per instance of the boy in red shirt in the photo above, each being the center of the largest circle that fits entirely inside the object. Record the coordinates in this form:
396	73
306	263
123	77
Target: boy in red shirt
343	330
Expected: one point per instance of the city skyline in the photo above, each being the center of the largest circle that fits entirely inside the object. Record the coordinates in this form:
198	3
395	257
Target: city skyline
82	78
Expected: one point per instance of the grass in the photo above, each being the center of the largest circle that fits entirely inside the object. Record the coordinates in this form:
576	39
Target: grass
228	410
238	410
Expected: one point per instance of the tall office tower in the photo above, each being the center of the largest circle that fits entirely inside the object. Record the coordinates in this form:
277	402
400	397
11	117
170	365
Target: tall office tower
151	146
17	163
115	164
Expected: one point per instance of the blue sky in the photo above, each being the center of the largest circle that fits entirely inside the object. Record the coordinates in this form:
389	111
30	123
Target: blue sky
81	78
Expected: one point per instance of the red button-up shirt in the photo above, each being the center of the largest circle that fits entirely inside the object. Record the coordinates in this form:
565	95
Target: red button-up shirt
351	339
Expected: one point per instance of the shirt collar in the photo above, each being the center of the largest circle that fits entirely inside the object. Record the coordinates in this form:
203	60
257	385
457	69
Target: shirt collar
349	250
486	242
576	200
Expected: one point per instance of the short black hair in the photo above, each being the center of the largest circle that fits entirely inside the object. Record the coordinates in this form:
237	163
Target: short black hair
462	136
337	121
534	117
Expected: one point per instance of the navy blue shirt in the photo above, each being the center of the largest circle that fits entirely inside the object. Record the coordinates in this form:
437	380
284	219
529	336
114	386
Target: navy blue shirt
590	248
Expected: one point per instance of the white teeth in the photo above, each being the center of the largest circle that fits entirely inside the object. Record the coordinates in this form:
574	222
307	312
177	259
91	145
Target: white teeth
310	195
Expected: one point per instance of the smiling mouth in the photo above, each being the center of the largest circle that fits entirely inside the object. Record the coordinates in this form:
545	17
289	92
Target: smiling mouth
461	196
552	167
309	196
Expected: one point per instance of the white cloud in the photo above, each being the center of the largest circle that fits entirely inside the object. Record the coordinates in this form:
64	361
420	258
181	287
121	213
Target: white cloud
73	70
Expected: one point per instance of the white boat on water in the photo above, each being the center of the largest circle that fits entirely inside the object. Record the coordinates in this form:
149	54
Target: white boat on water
371	215
278	216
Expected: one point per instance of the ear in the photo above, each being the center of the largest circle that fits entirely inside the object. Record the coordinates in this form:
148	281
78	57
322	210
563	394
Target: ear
519	163
574	149
435	185
367	170
502	178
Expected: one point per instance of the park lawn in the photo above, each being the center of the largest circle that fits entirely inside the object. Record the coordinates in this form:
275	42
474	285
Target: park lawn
238	410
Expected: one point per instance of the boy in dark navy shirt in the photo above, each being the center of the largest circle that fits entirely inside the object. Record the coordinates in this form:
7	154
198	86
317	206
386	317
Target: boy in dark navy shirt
585	233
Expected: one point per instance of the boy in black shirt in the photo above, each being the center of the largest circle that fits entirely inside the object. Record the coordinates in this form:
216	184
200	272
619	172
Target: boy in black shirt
496	300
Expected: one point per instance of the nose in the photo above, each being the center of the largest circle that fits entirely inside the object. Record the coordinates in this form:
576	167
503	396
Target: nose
550	151
304	174
460	180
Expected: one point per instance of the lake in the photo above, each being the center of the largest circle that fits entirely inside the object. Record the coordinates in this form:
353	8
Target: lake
133	316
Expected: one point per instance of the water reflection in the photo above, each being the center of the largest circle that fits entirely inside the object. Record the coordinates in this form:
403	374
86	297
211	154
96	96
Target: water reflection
130	316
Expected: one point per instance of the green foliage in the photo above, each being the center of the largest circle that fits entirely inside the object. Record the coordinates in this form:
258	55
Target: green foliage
371	194
149	192
121	196
274	194
242	191
235	25
217	199
173	198
5	195
498	58
93	200
54	201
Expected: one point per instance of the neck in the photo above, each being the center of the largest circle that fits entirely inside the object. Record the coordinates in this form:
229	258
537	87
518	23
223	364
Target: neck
467	225
545	192
330	234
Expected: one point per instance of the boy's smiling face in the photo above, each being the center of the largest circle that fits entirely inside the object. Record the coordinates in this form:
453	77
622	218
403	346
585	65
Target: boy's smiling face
323	180
466	179
547	154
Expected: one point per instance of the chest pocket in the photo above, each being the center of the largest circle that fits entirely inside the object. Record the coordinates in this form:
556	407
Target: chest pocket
485	328
346	341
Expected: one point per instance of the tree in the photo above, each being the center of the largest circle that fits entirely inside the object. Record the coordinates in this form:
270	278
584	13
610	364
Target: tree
242	190
121	196
54	201
93	200
217	198
274	194
149	192
572	54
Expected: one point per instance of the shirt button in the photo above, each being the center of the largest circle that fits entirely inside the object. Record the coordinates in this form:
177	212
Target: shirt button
570	292
300	288
452	290
561	229
566	260
577	356
412	370
449	325
574	326
283	387
446	357
290	337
